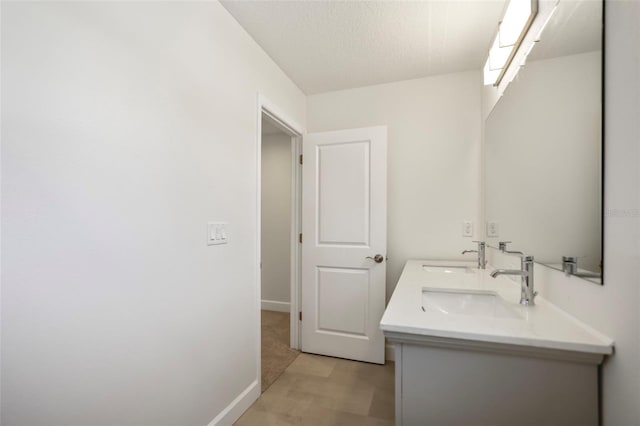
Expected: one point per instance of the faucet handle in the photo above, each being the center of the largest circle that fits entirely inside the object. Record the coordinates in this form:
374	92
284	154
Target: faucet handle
502	245
570	265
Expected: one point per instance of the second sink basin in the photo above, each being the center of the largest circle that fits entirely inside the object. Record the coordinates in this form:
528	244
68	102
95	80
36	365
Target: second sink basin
448	269
466	302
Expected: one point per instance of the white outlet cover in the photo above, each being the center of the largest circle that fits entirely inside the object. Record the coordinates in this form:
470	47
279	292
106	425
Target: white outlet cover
467	228
493	229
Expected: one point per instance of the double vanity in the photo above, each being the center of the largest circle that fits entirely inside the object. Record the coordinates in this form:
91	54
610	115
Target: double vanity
462	339
473	343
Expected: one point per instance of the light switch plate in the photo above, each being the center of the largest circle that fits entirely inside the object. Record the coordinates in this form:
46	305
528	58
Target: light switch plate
467	228
216	233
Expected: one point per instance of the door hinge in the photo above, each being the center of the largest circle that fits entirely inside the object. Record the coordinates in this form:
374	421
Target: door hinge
300	315
300	238
301	160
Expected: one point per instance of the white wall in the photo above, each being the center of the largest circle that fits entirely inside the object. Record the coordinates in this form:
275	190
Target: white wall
613	308
543	160
433	158
276	220
126	127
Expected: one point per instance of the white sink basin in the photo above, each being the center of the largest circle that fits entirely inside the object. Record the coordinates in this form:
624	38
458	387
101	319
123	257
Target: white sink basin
453	269
466	302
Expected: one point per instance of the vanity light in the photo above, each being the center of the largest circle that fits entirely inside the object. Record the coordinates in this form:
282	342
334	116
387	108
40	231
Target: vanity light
499	55
490	76
517	20
511	31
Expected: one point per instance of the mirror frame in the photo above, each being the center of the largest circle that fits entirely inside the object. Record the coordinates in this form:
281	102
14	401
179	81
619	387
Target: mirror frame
602	140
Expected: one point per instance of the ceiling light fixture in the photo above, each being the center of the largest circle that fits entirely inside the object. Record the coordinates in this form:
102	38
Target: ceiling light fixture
511	31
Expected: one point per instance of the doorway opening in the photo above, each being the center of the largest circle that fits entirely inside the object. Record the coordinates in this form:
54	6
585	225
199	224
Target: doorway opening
278	248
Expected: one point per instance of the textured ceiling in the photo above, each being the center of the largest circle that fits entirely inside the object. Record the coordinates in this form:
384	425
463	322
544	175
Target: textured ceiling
331	45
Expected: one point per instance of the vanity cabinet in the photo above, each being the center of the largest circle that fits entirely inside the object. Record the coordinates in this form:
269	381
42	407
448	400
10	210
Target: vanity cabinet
467	353
454	382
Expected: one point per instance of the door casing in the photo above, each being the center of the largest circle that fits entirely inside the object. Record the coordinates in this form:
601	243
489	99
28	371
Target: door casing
292	128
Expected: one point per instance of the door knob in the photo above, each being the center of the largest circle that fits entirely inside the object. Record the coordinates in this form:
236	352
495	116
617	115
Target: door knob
378	258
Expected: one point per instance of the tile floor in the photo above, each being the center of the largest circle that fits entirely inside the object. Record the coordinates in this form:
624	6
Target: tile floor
323	391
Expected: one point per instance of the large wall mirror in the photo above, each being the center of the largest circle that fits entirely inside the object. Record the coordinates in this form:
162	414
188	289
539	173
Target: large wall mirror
543	146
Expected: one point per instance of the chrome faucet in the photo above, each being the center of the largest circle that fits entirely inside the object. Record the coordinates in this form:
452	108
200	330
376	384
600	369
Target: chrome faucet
527	294
502	245
481	262
570	267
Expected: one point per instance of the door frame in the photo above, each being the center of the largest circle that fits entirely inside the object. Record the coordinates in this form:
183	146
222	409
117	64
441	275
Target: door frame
292	128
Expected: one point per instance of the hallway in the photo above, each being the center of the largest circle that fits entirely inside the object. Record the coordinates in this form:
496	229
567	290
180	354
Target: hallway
276	351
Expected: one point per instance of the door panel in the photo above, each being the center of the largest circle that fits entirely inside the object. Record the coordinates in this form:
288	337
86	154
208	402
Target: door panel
343	294
344	222
343	197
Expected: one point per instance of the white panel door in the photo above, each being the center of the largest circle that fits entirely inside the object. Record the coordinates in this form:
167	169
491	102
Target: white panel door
344	226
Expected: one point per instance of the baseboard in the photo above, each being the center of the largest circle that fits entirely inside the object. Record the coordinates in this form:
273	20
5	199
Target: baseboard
389	352
273	305
238	406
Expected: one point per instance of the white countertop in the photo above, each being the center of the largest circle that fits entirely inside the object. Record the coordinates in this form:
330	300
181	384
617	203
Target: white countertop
542	326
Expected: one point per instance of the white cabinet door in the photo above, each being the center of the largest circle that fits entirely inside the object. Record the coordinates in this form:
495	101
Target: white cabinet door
344	226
